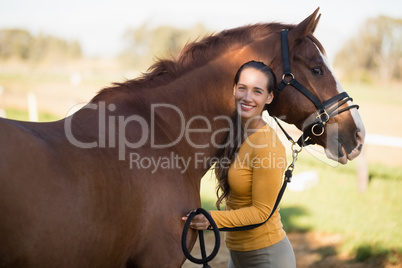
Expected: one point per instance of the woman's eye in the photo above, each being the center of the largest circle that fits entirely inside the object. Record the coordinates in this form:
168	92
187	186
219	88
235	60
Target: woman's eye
317	71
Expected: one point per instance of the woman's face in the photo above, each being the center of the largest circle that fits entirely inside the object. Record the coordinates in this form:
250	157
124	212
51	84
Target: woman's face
251	93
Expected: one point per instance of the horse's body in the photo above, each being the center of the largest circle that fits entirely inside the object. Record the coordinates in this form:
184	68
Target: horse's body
87	191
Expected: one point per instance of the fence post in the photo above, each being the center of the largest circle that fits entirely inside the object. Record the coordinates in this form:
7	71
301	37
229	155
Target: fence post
362	171
2	111
32	107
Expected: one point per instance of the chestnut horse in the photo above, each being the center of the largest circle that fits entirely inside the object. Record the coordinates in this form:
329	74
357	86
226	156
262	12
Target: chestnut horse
107	186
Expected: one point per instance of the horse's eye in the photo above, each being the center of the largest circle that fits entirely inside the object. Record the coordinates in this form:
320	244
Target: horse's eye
317	71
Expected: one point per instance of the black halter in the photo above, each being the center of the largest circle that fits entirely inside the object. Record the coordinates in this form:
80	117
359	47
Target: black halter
323	112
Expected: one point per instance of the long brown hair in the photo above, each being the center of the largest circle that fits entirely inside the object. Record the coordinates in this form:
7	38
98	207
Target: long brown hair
235	137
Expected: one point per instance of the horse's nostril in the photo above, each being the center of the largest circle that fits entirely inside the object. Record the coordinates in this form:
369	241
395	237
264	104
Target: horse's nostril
360	147
360	135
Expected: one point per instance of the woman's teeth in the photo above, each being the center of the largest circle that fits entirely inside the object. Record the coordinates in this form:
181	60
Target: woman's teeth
245	106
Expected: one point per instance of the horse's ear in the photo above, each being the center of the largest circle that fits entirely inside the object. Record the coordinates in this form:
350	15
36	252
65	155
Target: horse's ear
316	22
306	27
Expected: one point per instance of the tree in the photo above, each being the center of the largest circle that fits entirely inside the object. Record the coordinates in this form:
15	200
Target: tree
145	43
375	52
15	43
20	44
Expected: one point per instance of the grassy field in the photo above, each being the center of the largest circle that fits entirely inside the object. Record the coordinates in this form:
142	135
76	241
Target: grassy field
22	115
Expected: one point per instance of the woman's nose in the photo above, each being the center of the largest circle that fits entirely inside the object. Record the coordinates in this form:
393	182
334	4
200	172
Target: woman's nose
247	96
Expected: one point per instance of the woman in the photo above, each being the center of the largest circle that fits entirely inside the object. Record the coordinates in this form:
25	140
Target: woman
250	184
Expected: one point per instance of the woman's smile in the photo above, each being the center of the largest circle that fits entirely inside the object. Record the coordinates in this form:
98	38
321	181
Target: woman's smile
246	107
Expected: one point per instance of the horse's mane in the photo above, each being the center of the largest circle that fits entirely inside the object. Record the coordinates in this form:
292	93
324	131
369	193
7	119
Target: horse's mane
197	53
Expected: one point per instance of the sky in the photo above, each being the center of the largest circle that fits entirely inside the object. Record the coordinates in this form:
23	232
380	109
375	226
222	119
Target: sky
99	25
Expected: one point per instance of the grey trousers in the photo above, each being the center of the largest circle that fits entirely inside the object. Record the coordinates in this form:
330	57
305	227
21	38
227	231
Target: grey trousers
279	255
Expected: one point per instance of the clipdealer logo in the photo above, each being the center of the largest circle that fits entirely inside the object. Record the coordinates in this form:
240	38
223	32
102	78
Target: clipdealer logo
112	134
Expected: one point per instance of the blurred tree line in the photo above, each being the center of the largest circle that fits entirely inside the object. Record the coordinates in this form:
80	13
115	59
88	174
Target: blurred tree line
146	44
22	45
374	53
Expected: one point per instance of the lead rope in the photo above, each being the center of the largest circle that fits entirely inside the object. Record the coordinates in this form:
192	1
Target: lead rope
204	258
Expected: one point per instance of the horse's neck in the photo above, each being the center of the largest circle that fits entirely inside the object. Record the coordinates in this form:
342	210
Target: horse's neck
190	114
189	108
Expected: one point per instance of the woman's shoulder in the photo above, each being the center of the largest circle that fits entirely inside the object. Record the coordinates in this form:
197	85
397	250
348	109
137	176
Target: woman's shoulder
265	138
265	145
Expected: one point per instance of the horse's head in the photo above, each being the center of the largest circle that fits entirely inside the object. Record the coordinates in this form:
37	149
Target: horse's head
311	97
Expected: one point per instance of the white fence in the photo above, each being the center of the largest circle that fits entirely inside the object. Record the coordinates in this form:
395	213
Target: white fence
382	140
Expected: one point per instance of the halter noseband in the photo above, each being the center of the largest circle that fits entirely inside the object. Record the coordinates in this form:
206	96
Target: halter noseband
323	114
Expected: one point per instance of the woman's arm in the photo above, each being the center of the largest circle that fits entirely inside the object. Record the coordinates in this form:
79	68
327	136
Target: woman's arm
267	167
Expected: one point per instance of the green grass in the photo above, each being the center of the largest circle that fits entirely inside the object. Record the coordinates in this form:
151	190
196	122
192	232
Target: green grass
22	115
387	93
369	223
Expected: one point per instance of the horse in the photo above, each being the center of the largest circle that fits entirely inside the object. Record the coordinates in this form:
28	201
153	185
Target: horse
108	185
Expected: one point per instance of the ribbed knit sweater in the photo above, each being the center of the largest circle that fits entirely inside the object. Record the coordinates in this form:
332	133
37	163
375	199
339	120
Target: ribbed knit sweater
255	178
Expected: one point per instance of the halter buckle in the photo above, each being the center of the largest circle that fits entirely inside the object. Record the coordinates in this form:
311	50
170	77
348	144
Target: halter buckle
318	128
323	117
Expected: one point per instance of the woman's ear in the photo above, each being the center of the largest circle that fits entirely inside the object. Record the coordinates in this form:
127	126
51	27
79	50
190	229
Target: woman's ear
270	98
234	90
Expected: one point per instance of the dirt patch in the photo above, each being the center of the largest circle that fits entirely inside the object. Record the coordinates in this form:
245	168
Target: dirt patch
312	250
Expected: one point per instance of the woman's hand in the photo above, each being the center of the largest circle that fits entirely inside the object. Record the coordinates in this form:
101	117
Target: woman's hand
199	222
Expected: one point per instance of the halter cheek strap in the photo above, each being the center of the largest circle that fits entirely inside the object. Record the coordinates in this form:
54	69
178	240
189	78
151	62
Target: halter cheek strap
288	77
316	128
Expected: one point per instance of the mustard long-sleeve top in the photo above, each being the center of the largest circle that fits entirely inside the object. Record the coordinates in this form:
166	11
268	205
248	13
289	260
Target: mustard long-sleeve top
255	178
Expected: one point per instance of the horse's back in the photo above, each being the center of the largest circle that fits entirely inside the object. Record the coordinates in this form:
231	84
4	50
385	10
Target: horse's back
30	191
